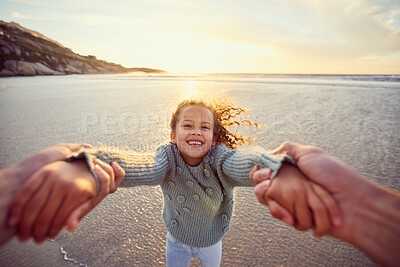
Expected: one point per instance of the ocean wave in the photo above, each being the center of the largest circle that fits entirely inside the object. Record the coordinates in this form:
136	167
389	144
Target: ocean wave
363	81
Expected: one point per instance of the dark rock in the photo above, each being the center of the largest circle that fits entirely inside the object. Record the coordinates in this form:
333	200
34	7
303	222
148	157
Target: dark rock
26	52
6	50
25	69
11	65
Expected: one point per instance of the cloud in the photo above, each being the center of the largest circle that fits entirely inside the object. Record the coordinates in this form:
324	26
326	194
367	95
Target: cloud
39	17
356	28
361	24
17	15
95	20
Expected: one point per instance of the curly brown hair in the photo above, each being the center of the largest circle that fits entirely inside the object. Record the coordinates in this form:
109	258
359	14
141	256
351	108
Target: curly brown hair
224	115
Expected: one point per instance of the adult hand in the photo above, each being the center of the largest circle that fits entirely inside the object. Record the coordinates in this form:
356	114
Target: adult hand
370	212
337	177
86	207
308	205
48	198
13	178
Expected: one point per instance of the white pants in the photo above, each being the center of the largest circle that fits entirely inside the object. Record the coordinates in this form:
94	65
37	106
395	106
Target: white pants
179	255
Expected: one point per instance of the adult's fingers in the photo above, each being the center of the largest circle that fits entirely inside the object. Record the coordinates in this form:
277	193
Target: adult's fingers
321	219
47	215
303	214
66	148
77	194
280	212
77	146
31	211
60	151
76	215
24	195
276	210
73	201
290	148
119	174
331	205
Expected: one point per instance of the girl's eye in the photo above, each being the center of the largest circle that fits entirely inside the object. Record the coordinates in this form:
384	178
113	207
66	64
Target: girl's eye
206	127
187	126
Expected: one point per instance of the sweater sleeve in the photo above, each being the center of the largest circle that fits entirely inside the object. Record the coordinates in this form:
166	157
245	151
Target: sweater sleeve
234	166
140	168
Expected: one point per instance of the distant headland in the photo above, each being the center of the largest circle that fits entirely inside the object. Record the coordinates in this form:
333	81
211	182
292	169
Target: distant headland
25	52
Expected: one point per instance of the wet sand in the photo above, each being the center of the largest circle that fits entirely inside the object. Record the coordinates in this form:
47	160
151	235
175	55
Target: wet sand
358	125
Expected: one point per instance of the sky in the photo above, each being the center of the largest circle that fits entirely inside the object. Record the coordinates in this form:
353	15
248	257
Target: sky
223	36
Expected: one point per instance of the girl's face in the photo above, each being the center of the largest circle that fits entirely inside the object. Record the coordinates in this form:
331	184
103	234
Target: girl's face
194	133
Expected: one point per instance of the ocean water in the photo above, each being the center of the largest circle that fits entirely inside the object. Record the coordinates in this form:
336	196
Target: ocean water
356	118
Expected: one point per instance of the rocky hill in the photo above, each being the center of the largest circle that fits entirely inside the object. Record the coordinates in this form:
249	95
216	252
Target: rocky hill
25	52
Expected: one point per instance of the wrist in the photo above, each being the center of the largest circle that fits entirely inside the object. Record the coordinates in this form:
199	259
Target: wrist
30	165
10	184
376	223
14	175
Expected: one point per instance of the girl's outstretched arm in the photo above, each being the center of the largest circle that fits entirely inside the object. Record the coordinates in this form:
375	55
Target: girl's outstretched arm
234	166
140	168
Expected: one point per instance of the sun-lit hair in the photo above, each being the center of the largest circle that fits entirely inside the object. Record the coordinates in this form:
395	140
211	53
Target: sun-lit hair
225	114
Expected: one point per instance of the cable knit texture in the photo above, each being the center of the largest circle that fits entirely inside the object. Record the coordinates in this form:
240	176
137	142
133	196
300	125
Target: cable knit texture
198	201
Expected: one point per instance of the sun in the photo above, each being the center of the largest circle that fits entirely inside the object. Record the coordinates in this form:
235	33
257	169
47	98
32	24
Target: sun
190	89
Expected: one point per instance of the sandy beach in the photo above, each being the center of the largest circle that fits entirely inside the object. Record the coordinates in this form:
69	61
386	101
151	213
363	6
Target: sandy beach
358	124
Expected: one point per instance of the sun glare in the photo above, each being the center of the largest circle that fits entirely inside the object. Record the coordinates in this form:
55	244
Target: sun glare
190	89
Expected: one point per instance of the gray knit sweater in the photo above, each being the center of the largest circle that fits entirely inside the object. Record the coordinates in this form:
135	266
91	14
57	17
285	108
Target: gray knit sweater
198	201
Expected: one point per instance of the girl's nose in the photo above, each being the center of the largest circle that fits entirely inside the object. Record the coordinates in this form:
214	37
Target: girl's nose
196	132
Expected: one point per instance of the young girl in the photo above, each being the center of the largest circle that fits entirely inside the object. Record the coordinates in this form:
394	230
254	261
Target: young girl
197	172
